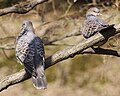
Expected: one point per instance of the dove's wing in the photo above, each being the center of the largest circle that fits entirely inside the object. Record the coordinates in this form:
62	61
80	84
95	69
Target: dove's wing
91	26
40	80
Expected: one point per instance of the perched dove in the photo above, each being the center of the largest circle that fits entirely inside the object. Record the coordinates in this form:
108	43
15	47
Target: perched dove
30	52
93	24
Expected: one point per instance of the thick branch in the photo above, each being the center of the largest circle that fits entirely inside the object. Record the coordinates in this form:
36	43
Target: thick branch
22	7
59	56
76	49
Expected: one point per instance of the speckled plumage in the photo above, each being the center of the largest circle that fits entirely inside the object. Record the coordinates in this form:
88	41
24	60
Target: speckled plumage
30	52
93	23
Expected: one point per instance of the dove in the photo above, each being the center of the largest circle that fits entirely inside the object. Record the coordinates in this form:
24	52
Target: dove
93	24
30	52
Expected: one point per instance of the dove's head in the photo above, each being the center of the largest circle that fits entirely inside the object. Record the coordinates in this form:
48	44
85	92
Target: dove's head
27	25
93	11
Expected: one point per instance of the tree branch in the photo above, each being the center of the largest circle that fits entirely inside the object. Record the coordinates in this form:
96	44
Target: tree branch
22	7
101	51
74	32
60	56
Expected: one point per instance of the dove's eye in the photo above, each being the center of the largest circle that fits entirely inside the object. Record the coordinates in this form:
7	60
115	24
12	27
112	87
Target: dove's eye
23	24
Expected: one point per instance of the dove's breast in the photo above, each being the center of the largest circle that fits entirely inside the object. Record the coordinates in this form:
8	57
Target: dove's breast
24	44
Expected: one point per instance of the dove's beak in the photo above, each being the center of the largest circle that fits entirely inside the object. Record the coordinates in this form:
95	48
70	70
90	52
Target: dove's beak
99	14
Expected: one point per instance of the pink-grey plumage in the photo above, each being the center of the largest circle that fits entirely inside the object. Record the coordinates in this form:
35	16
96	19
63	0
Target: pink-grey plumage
93	23
30	52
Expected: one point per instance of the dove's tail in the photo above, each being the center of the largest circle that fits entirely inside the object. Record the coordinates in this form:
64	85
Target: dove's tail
39	79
